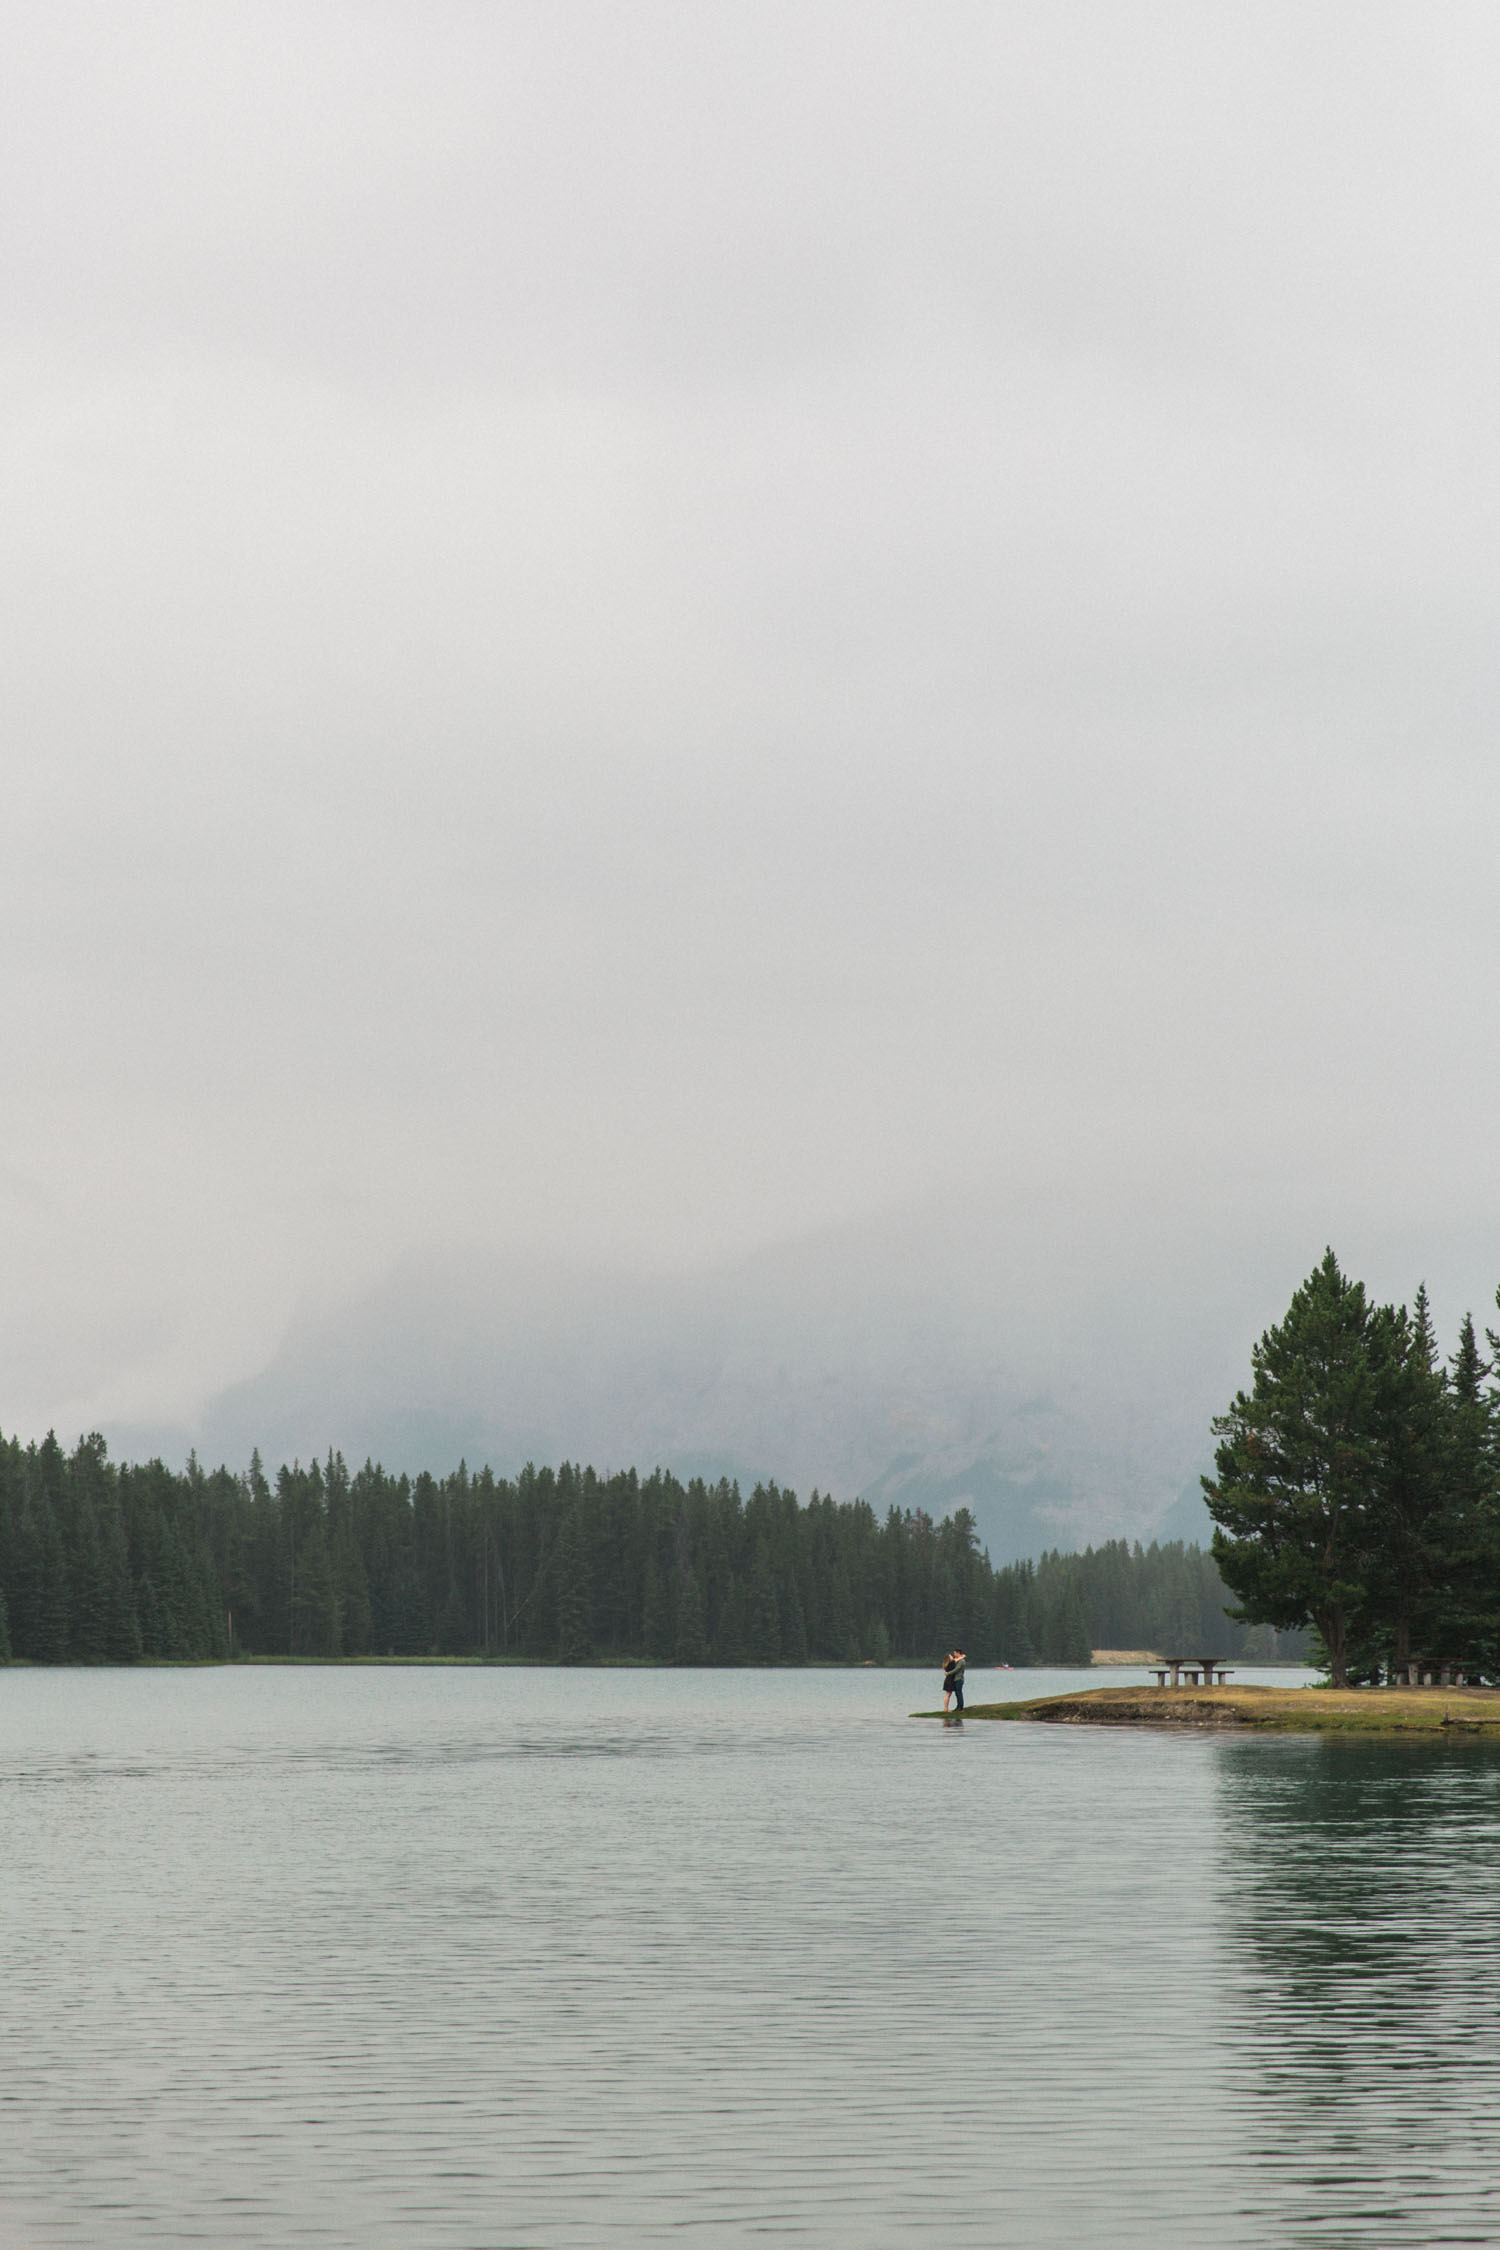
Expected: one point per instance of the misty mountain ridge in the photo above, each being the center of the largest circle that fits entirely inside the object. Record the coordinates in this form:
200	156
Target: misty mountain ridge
806	1365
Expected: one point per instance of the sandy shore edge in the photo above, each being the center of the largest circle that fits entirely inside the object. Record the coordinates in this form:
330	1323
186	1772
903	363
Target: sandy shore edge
1450	1711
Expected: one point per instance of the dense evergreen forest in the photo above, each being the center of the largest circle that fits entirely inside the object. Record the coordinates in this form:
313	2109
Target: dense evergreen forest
1357	1486
105	1564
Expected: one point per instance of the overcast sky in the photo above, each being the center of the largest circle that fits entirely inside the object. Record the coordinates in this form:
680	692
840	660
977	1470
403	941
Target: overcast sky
638	630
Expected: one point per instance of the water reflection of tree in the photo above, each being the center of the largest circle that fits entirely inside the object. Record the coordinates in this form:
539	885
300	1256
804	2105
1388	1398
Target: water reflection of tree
1360	1889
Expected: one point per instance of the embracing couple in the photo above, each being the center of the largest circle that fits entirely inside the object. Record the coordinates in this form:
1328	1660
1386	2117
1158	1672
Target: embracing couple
953	1679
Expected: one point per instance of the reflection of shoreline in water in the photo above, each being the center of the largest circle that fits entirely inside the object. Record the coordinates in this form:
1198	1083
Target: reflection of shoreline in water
1360	1914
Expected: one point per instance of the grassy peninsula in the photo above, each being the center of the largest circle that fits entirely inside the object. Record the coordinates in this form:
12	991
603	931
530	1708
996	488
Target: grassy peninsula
1440	1711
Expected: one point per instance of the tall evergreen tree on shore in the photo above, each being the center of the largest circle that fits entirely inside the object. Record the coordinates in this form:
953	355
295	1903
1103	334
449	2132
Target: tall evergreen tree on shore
1408	1532
1471	1521
1358	1486
1297	1466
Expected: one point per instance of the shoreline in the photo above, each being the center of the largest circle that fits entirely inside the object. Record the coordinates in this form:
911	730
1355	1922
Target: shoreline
242	1661
1303	1710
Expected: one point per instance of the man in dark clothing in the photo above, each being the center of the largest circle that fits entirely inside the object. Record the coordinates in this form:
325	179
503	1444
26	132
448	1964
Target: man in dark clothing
953	1679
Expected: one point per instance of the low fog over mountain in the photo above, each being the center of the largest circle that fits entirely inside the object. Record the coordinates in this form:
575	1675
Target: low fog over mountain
1055	1368
844	1361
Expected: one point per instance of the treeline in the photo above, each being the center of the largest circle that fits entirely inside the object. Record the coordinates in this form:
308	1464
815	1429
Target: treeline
1168	1598
106	1564
1357	1486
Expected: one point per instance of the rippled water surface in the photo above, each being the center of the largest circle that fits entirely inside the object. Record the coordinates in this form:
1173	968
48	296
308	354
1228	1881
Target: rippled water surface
458	1959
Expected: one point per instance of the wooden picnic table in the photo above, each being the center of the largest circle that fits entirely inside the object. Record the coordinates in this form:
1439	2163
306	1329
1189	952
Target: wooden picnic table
1196	1667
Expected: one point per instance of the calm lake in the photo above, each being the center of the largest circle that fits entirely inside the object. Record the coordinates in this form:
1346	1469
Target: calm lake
509	1960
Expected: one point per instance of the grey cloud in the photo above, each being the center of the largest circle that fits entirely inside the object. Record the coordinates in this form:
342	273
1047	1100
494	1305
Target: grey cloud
649	632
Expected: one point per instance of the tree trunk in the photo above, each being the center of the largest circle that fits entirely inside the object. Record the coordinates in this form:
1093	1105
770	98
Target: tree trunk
1336	1641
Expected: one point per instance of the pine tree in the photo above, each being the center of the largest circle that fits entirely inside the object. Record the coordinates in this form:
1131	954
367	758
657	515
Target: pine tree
793	1624
945	1623
1013	1621
1179	1621
453	1624
843	1634
731	1635
574	1602
153	1626
657	1637
765	1615
411	1630
122	1628
315	1603
82	1490
41	1588
1047	1616
1468	1625
206	1626
160	1594
354	1598
1296	1467
1408	1527
88	1592
1074	1644
692	1630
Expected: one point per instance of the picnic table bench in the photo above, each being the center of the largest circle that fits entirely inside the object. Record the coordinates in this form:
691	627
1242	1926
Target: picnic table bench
1196	1667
